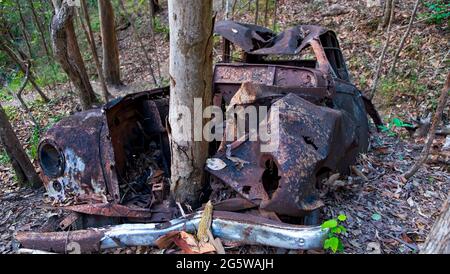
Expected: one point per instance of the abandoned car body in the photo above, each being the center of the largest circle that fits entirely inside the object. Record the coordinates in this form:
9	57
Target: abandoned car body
113	164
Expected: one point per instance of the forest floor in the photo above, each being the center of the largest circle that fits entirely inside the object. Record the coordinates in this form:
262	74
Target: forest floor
385	214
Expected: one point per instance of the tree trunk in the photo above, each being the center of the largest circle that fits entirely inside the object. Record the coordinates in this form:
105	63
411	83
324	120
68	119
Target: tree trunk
40	28
91	41
402	42
387	13
131	18
111	66
256	12
23	68
67	53
383	53
190	69
154	5
274	23
23	168
438	241
266	10
152	33
431	133
24	28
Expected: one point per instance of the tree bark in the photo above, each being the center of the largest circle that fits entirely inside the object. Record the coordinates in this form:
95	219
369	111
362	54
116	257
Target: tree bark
67	53
91	41
436	120
190	69
111	64
438	241
24	169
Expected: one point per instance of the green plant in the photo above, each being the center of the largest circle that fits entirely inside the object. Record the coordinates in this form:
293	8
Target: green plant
395	123
165	81
49	73
4	158
335	229
11	112
34	142
160	27
363	81
5	96
438	11
390	87
55	119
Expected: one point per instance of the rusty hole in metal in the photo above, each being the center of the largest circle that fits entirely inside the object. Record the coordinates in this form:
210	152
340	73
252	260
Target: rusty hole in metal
51	160
309	141
322	174
57	186
270	178
246	189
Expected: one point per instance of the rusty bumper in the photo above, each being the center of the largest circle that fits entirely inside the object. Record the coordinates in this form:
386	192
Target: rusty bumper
236	227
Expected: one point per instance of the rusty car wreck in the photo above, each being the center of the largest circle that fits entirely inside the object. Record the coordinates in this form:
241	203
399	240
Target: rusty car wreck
109	168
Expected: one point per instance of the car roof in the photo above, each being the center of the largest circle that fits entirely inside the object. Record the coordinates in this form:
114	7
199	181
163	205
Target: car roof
259	40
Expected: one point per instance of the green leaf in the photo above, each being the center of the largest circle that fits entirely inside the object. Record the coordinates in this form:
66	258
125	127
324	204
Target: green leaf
397	122
329	224
342	217
376	217
331	243
383	128
336	230
340	246
343	229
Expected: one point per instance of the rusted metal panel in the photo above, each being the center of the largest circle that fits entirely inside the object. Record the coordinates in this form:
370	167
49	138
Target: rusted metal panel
303	81
81	170
312	138
69	220
111	210
258	40
62	242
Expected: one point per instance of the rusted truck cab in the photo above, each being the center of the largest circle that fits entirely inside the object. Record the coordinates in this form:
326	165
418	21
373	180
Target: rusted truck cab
323	121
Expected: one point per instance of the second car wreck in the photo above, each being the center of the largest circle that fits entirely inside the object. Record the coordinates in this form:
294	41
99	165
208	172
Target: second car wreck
110	167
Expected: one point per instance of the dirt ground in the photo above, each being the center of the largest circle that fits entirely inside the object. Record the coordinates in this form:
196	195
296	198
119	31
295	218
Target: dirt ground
385	214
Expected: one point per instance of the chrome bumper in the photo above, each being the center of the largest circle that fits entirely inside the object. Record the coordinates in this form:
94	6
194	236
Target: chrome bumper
236	227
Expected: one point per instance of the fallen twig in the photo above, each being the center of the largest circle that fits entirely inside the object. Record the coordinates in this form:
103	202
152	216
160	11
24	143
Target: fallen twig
413	247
